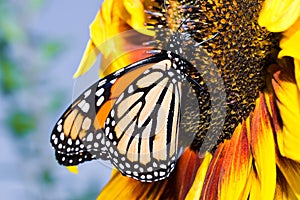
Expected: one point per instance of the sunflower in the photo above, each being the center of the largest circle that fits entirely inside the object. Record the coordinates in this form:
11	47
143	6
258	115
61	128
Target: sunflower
258	55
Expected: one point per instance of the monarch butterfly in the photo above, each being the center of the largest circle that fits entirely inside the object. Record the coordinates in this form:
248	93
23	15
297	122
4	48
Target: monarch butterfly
131	118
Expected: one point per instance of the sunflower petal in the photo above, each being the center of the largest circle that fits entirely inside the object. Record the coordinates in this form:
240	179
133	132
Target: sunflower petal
72	169
136	10
291	171
88	59
255	186
293	29
196	188
128	49
121	187
211	181
263	148
185	173
297	72
106	31
290	45
236	166
176	186
278	15
288	102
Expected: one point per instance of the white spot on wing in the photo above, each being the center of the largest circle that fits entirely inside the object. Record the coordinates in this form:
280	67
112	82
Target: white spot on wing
62	136
113	81
100	101
100	92
70	141
102	82
117	73
81	103
85	108
130	89
89	137
87	93
86	123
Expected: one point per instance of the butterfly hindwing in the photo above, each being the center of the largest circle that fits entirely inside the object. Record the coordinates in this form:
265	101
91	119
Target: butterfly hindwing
74	133
77	136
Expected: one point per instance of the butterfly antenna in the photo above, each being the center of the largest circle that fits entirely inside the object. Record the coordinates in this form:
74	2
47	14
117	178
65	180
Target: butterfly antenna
200	43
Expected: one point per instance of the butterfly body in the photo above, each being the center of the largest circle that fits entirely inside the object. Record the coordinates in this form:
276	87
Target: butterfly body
131	118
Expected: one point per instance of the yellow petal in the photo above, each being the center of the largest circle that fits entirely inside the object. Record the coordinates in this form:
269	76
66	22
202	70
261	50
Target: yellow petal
236	167
196	188
136	10
89	57
255	186
72	169
288	102
291	171
176	186
115	17
290	46
279	15
121	187
297	72
263	148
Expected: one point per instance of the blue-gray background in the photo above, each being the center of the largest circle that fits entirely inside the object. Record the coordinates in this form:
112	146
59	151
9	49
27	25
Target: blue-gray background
41	44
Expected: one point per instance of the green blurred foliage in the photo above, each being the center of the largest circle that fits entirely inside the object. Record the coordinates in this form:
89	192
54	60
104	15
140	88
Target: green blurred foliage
55	102
20	75
47	176
21	123
10	76
51	49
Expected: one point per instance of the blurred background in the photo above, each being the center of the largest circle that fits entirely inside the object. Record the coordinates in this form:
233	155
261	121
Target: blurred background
41	44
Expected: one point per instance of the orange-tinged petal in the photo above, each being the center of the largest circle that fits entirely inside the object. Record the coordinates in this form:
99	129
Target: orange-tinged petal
271	104
128	49
185	173
293	29
72	169
196	188
291	171
211	181
263	148
236	165
288	102
279	15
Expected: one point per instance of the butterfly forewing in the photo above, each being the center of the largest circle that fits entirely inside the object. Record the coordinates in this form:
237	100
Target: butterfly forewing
142	127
